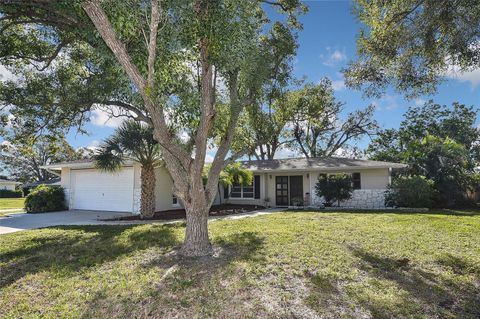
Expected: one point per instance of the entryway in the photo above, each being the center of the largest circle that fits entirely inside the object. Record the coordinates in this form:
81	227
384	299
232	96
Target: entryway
288	190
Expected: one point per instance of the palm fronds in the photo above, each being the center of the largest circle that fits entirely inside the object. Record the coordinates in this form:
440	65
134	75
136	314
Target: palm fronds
131	141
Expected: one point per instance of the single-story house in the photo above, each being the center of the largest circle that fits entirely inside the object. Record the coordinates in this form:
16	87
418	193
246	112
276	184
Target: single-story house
277	183
27	187
8	185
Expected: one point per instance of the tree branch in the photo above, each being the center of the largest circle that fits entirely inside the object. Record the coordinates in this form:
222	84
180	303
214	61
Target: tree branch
218	164
207	96
278	4
162	134
152	43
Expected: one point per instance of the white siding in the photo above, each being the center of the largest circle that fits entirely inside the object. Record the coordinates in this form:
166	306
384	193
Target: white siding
7	186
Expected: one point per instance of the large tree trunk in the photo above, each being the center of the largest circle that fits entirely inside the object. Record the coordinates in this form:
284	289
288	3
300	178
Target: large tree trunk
147	202
196	242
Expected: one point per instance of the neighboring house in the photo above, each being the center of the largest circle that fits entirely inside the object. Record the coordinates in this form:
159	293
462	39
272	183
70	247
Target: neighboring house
277	183
27	187
8	185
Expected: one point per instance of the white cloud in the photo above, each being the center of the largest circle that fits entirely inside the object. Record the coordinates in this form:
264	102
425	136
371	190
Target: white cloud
110	117
349	152
387	102
338	85
94	145
285	153
6	143
419	102
470	76
6	75
333	57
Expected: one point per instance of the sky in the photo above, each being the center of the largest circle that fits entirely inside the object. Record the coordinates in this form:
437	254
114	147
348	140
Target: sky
326	45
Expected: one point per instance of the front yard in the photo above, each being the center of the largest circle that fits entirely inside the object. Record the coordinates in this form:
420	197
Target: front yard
288	265
11	203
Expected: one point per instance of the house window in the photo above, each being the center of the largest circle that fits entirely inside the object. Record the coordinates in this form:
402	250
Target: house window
356	181
239	191
174	200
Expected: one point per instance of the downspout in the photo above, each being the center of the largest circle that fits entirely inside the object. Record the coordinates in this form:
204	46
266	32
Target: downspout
389	176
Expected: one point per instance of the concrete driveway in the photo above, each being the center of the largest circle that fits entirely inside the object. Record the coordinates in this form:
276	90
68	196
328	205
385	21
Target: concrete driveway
22	221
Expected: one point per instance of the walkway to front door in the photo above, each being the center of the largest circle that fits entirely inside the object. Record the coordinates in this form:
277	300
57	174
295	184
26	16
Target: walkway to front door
288	190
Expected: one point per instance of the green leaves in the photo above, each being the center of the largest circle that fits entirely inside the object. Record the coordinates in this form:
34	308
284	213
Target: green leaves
412	44
131	141
334	187
22	157
232	174
437	142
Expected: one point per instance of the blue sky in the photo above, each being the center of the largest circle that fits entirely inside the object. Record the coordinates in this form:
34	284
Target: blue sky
327	43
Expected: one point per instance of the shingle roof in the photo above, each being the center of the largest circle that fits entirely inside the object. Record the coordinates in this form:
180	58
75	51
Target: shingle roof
82	163
287	164
317	163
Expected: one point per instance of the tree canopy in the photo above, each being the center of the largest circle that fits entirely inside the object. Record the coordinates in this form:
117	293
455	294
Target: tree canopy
22	159
179	66
412	44
438	142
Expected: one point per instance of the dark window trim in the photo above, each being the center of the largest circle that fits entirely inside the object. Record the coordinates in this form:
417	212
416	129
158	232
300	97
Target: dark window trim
253	192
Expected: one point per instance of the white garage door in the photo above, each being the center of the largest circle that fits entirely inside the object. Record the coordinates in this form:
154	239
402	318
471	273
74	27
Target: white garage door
97	190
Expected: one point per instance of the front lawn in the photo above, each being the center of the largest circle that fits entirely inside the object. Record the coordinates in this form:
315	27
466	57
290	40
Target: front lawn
284	265
11	203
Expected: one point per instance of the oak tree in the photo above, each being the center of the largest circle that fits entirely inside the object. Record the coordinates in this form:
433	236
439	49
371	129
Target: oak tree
180	59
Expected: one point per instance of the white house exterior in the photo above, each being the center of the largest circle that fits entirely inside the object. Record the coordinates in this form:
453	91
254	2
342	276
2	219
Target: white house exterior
277	183
8	185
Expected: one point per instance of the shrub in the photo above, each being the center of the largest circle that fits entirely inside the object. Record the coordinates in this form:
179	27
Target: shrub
6	193
410	191
336	187
45	199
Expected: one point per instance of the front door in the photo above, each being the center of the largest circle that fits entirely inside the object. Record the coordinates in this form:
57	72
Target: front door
296	190
281	190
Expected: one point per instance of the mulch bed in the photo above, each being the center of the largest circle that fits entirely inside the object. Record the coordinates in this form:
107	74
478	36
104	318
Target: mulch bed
216	210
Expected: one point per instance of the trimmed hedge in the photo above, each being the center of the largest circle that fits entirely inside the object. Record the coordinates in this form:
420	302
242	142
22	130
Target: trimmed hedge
6	193
410	191
45	199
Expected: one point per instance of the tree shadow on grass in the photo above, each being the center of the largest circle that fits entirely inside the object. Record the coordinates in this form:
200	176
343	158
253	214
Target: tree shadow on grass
186	283
434	295
238	246
83	247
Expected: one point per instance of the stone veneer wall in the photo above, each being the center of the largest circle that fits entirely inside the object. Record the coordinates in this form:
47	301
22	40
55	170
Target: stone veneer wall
137	195
361	198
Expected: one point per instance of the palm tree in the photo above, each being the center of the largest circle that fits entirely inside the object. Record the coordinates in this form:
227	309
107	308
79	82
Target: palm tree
133	141
232	174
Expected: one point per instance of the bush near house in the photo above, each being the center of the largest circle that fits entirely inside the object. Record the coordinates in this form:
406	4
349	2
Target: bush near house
45	199
410	191
334	188
6	193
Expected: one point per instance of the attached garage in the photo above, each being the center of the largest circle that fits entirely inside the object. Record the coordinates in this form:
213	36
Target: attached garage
92	189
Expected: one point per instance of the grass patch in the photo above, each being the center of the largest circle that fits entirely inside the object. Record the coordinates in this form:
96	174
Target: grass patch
11	203
292	264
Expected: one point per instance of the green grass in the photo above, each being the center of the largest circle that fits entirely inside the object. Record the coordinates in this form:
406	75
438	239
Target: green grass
285	265
11	203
